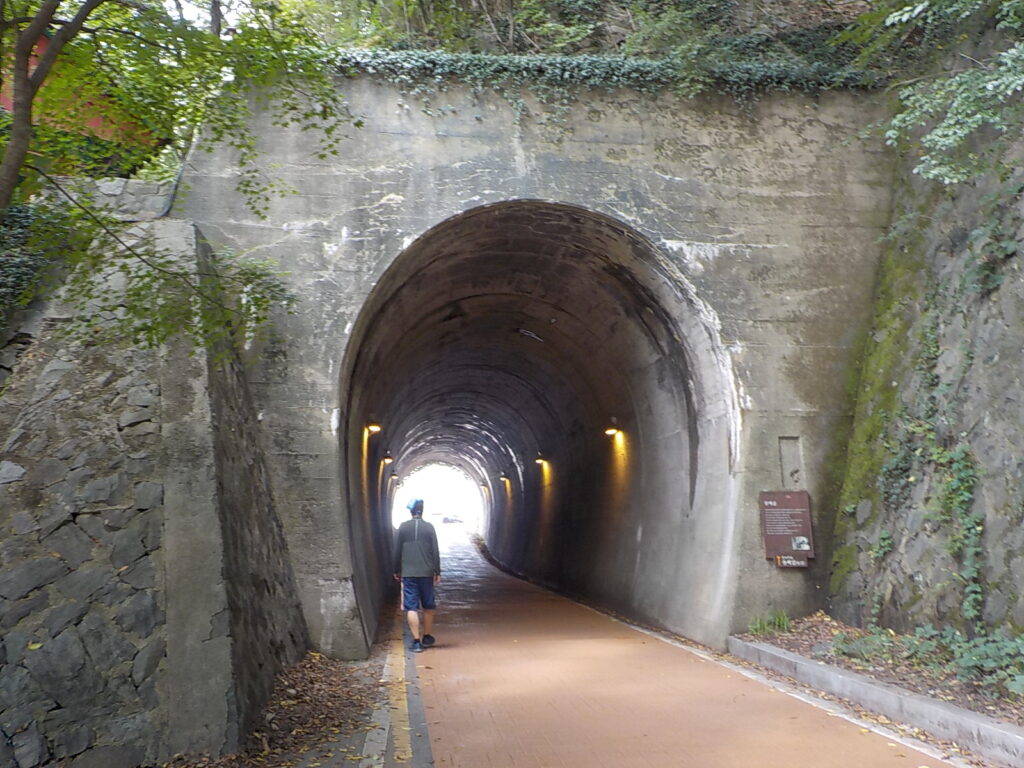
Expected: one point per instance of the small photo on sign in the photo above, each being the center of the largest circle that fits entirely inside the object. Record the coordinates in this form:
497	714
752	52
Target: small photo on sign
801	544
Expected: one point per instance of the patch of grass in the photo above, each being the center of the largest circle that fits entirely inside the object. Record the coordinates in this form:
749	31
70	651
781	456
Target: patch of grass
770	623
995	660
873	645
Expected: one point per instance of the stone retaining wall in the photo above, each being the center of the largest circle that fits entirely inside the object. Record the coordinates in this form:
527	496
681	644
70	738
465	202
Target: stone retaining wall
942	372
81	558
146	596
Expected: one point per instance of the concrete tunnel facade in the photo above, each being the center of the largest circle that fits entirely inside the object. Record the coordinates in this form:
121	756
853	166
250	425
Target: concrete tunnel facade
506	341
493	288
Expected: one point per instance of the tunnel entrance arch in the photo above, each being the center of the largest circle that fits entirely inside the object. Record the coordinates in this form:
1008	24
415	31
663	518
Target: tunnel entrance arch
554	355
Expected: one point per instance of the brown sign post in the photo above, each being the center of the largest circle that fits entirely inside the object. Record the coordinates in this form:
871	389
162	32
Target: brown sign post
786	527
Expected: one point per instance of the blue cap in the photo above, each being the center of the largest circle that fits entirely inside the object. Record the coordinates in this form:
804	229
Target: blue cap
414	503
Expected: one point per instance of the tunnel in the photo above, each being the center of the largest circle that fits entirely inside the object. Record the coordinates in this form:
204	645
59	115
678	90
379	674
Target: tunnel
563	362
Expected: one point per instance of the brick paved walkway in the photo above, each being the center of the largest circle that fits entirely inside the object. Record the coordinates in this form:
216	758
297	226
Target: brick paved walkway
521	677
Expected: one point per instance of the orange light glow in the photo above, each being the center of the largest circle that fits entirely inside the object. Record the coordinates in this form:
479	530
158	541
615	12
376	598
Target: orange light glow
364	466
546	523
618	477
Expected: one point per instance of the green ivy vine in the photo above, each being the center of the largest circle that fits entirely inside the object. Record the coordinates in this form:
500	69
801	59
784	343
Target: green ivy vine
742	66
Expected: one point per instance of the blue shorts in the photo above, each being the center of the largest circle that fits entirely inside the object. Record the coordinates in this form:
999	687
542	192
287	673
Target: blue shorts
418	592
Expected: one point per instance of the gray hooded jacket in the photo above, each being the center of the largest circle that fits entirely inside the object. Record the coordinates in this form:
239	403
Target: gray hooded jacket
416	551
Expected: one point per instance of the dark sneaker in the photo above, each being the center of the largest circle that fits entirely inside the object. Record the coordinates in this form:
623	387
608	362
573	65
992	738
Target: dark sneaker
417	646
428	640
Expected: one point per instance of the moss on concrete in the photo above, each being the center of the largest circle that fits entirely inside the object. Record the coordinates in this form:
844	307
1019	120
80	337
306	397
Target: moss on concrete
885	359
844	562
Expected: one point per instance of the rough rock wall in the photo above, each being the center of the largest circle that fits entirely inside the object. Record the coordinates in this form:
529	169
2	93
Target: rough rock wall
146	597
930	523
267	627
81	562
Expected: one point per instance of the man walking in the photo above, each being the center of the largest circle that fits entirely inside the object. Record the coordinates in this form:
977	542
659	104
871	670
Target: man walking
417	564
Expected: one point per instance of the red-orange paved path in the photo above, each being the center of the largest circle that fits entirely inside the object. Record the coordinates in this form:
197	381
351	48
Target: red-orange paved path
521	677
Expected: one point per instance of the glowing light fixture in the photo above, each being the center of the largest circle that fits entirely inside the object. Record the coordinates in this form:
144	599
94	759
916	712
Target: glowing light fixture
612	431
373	428
540	459
388	458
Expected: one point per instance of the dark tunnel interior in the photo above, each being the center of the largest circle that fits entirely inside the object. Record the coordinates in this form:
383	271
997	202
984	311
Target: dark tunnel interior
537	347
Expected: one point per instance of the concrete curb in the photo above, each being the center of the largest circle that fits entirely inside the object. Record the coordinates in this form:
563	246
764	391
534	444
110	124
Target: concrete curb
994	740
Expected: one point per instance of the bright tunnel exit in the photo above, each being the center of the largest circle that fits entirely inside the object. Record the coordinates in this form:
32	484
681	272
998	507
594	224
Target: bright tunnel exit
450	498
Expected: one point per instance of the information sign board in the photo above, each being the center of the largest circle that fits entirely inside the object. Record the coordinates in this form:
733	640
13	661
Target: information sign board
786	527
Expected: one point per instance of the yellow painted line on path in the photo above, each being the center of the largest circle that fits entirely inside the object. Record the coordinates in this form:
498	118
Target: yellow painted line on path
398	695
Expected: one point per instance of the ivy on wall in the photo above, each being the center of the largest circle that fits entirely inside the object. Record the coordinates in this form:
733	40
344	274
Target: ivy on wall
21	265
435	68
741	66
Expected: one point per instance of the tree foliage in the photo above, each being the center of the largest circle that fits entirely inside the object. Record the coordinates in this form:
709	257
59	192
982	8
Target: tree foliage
962	66
108	87
114	87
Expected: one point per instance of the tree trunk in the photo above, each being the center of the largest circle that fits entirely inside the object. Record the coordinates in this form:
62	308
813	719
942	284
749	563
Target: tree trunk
17	145
27	81
24	92
216	17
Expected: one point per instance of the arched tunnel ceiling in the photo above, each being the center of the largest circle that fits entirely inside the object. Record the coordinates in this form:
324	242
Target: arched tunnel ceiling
502	333
524	328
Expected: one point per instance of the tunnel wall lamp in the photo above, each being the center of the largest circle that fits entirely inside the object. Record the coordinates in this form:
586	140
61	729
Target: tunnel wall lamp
612	431
387	458
373	429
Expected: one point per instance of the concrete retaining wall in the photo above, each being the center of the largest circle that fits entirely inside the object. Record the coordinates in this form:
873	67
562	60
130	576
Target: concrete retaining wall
766	224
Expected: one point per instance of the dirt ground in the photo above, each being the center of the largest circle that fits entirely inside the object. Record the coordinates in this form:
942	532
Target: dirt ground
314	707
812	637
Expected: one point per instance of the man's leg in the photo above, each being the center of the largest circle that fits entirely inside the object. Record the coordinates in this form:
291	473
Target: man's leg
411	603
428	621
427	591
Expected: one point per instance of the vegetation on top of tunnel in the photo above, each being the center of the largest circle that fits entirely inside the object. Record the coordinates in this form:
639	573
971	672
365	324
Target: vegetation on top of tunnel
650	45
742	67
954	66
957	68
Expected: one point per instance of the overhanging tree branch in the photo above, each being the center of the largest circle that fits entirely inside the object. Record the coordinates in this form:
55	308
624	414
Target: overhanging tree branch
182	277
